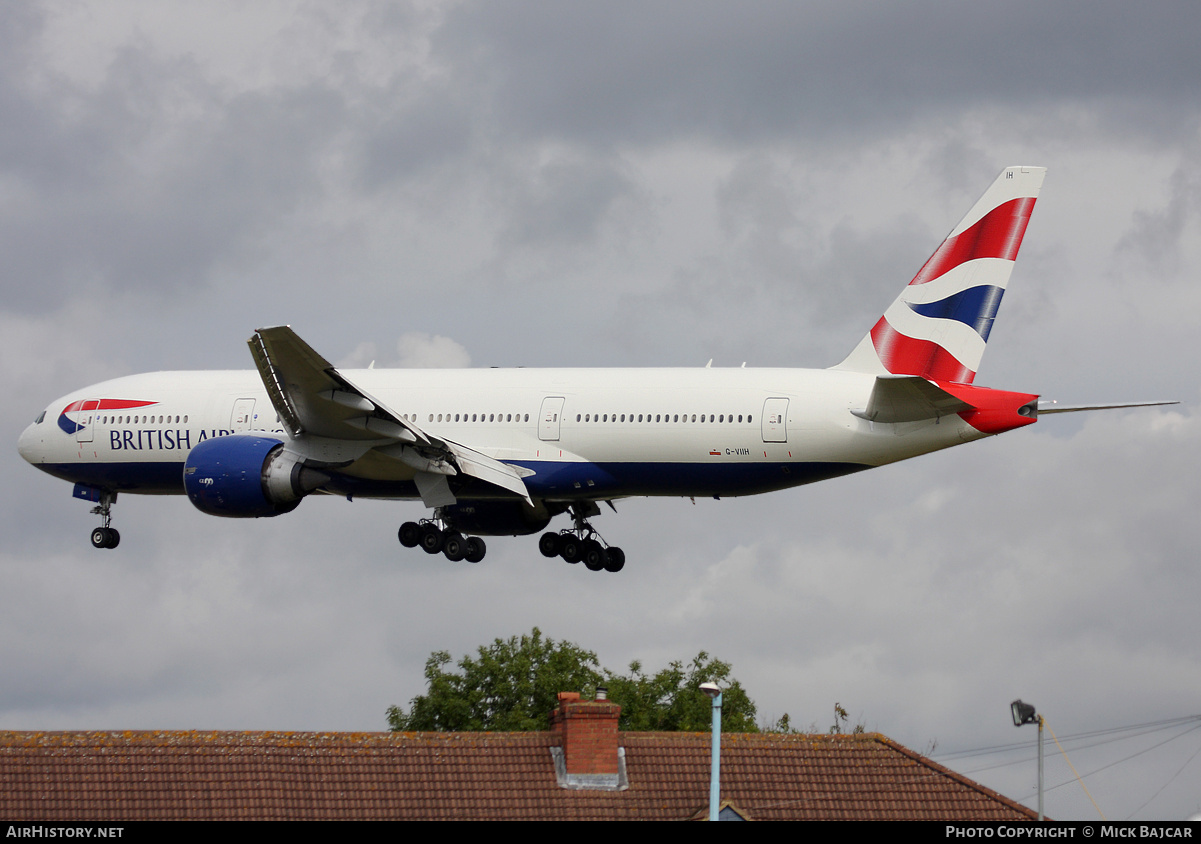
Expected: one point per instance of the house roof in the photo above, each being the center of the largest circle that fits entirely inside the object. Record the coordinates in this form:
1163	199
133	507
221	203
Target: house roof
137	775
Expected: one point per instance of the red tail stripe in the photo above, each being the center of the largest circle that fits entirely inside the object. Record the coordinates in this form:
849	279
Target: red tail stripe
998	234
904	355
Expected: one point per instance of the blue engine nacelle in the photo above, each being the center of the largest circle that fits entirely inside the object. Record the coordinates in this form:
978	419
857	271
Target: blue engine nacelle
496	518
247	475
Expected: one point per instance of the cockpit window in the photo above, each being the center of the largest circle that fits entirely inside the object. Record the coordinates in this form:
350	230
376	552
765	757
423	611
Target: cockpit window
41	416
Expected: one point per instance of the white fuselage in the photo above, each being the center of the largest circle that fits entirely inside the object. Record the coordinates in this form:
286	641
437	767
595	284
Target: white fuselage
575	433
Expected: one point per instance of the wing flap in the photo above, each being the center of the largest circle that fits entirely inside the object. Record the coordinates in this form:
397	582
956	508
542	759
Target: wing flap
485	468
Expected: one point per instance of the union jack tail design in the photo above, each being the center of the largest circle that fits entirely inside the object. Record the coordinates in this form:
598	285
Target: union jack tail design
938	327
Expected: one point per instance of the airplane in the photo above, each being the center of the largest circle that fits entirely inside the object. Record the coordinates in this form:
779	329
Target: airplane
501	452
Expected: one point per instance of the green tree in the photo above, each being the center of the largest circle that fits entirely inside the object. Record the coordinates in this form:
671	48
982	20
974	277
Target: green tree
672	700
511	686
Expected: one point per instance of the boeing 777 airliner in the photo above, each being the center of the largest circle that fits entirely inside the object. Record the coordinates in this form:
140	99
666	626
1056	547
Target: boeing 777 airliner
501	452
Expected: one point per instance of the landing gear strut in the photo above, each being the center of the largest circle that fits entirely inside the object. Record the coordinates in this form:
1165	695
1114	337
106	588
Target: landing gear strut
581	543
105	536
434	539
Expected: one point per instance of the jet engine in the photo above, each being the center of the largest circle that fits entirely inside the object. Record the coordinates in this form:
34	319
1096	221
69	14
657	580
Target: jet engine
247	475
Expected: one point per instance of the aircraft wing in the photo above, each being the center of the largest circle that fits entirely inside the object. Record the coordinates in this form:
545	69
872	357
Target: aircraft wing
908	398
313	399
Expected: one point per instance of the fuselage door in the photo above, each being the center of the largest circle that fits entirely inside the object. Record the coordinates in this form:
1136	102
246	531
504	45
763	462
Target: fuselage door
243	415
548	420
775	421
86	421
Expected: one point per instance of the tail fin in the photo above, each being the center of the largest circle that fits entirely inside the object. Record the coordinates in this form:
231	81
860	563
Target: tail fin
938	326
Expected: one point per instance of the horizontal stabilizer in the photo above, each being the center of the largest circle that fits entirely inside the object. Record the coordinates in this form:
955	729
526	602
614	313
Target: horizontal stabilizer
1054	407
909	398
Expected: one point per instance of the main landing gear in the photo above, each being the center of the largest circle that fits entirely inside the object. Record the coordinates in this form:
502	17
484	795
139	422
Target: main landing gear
105	536
432	539
582	543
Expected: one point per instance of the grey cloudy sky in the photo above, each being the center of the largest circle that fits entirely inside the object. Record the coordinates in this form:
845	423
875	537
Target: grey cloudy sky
620	184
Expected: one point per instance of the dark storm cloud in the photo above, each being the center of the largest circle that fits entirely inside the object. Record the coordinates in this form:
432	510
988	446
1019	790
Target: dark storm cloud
151	180
633	72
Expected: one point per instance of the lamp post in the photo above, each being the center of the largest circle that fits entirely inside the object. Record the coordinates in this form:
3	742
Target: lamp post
714	692
1023	713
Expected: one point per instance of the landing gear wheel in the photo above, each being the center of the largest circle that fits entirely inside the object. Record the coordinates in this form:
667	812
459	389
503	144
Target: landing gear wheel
453	545
571	548
615	559
105	536
548	544
409	534
100	537
474	549
593	555
431	539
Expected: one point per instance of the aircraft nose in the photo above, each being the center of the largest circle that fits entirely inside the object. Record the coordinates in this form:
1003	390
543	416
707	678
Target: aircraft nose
30	445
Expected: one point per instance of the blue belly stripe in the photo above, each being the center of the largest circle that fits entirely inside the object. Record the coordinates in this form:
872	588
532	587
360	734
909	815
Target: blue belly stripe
550	479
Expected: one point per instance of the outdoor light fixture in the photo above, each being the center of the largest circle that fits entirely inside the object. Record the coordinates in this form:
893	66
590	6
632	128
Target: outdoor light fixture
1023	713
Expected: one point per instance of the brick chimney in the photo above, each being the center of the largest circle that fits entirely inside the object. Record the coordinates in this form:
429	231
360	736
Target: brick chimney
586	734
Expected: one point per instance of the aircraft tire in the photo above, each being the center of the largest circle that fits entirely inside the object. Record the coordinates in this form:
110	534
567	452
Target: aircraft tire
594	555
571	549
548	544
453	546
615	559
114	538
431	539
475	549
100	537
409	534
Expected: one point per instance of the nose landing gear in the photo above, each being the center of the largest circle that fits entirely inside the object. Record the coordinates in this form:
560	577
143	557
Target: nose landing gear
105	536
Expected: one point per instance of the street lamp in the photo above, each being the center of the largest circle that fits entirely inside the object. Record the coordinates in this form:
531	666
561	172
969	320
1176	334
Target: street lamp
1023	713
714	692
